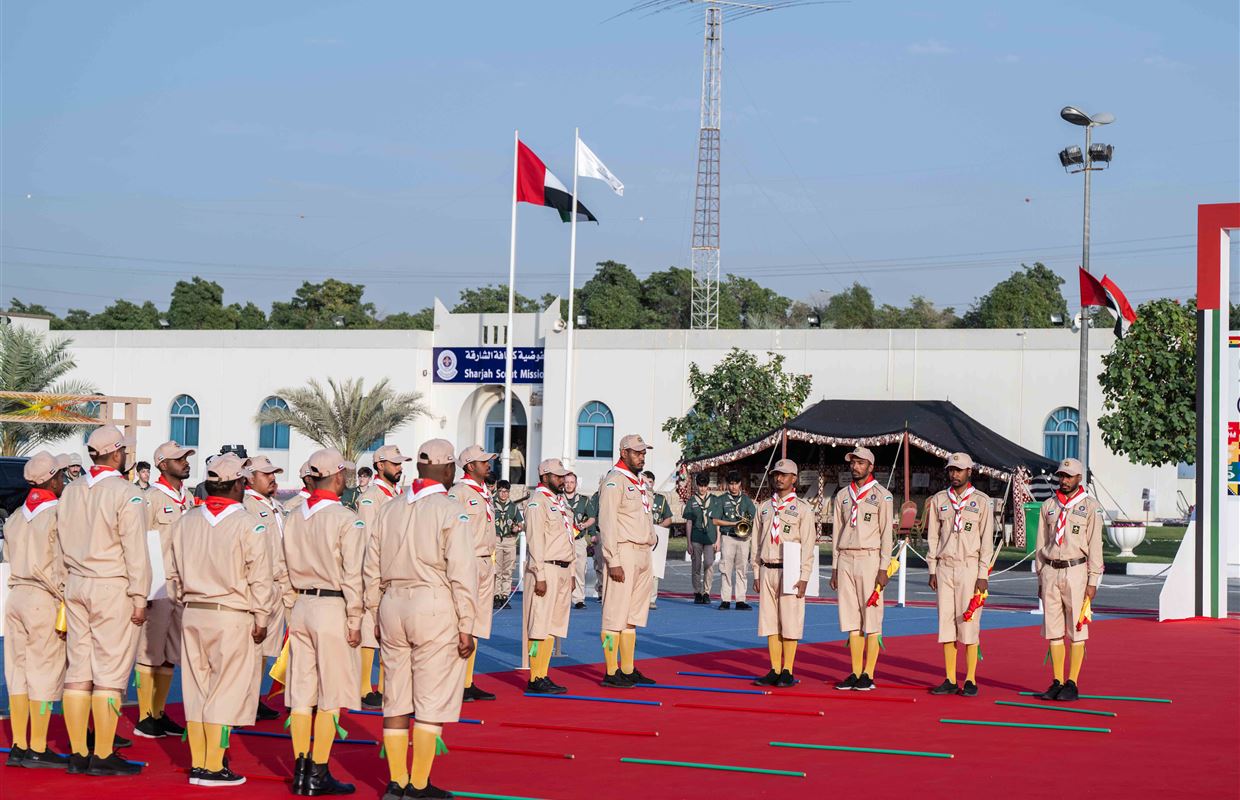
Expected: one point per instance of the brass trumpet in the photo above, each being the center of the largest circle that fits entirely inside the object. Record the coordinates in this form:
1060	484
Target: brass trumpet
744	526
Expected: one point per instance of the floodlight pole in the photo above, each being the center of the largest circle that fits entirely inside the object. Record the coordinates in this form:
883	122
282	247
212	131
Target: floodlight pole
1082	405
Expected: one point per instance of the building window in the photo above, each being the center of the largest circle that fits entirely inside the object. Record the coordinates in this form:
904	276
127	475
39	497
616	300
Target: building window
273	435
89	409
1059	434
377	443
184	419
595	431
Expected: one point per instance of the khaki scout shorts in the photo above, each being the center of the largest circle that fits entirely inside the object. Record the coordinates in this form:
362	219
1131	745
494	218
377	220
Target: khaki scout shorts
1063	595
323	670
101	643
778	613
424	673
955	592
218	662
34	656
856	571
547	615
628	603
160	640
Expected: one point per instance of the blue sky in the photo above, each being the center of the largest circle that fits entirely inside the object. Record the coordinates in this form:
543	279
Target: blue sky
906	145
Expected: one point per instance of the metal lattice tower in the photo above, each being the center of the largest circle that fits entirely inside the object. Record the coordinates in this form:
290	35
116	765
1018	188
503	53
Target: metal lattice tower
705	245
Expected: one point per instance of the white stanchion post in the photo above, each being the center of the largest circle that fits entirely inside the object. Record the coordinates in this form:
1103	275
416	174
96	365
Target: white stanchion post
903	569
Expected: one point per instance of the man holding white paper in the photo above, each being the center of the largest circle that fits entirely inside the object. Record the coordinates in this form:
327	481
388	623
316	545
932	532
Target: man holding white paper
783	519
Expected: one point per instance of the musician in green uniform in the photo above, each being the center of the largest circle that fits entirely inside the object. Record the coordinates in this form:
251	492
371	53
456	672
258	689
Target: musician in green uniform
660	514
703	539
508	525
728	512
595	549
581	542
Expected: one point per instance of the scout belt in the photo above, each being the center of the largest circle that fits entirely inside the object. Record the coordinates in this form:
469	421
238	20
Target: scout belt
564	564
736	535
321	592
772	564
1057	564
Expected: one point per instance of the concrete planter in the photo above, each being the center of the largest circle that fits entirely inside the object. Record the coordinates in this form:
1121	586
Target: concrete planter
1126	535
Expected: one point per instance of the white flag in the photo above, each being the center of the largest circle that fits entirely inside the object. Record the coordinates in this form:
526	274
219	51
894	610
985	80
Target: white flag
589	166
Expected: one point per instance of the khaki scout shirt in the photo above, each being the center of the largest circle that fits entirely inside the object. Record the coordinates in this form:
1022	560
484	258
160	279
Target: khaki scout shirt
324	547
373	498
549	533
32	548
102	524
481	513
976	539
223	559
163	508
796	524
873	528
1082	535
295	501
622	516
271	515
422	539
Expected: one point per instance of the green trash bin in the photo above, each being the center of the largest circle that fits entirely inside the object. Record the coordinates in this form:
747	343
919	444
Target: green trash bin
1031	525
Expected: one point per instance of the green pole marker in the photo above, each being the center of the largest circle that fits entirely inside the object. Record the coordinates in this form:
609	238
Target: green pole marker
1024	725
719	767
1057	708
459	793
1111	697
842	748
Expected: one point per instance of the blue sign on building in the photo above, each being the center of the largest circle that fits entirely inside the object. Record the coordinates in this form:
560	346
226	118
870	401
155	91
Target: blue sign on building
486	364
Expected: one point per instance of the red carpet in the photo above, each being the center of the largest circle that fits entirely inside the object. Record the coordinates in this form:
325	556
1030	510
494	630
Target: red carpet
1185	749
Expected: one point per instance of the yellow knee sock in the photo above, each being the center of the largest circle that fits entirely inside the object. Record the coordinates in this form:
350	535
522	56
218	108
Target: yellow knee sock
611	644
544	656
105	708
871	653
299	724
19	714
856	649
197	736
425	743
217	743
144	684
1078	658
970	660
628	646
40	716
790	653
949	660
469	669
774	648
324	735
1057	659
163	685
76	703
380	686
368	666
396	747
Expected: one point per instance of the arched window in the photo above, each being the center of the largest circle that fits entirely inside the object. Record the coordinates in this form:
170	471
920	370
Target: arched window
273	435
377	443
184	421
1059	434
90	409
595	431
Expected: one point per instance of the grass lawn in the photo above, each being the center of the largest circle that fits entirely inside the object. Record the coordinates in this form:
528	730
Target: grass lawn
1159	547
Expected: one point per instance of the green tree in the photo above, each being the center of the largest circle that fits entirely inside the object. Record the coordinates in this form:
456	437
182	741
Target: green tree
1235	317
329	304
1149	386
738	399
745	303
423	320
493	300
852	308
248	317
126	316
198	304
665	297
1027	299
920	313
612	299
33	362
79	319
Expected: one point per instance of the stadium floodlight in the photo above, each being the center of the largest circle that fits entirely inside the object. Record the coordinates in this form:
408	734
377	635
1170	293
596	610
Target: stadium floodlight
813	320
1101	153
1070	156
582	320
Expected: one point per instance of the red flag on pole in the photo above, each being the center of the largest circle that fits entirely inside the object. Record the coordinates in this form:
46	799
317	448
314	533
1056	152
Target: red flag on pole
1106	294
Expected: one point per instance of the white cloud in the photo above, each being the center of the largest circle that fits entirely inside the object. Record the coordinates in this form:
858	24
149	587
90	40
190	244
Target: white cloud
930	47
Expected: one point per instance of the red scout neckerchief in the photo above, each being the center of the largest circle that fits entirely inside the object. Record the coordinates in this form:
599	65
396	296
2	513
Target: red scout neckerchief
1065	505
858	494
385	487
486	496
777	507
636	481
423	487
957	504
97	473
322	495
37	498
179	497
557	503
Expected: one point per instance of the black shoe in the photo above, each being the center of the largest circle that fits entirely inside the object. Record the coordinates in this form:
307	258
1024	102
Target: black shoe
33	759
301	774
113	765
394	791
16	756
637	678
118	741
320	781
582	604
555	686
431	790
946	687
473	693
743	606
78	764
769	679
195	775
1069	693
848	684
724	605
169	727
223	777
266	713
786	681
1052	691
865	683
969	689
373	701
616	681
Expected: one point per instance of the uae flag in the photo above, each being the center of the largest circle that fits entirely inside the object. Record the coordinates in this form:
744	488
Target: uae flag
1106	294
536	184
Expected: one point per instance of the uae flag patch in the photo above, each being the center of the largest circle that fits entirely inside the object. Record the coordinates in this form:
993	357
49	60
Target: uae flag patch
536	184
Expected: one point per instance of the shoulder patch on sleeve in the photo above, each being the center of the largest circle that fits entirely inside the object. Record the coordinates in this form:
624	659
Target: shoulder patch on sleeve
532	504
611	483
137	499
357	523
260	528
452	496
463	518
366	501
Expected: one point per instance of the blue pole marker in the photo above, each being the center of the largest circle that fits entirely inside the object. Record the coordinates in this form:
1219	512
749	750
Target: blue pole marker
593	699
700	689
462	720
271	735
719	675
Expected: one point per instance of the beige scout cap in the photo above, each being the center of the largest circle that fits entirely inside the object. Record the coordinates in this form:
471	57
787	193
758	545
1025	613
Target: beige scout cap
171	451
959	461
304	471
552	466
261	464
435	451
1070	466
105	439
390	453
42	467
863	453
327	461
634	441
786	465
226	467
471	454
74	459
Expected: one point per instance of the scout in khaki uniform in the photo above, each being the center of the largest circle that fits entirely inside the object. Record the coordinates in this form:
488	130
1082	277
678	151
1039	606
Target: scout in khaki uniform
577	506
260	500
220	569
324	547
660	514
34	650
102	520
303	494
389	469
863	541
728	511
549	536
784	518
421	580
508	526
703	539
1069	567
159	645
960	532
472	493
625	506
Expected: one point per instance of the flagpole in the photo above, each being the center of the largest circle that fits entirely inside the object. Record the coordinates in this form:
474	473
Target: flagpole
506	456
570	452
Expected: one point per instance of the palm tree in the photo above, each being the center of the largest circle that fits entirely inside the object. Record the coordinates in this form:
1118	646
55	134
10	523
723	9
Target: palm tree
32	362
344	416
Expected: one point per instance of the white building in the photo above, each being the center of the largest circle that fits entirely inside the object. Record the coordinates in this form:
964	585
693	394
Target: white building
206	387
